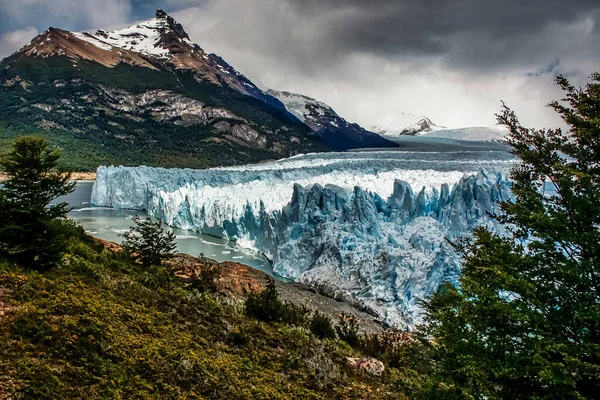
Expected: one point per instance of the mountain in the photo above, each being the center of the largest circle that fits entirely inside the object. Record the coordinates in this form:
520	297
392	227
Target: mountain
143	95
335	131
406	124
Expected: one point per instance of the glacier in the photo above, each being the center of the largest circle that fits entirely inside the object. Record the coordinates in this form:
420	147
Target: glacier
373	227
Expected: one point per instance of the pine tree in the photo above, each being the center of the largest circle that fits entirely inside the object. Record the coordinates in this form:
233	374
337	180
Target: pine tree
148	242
32	230
525	319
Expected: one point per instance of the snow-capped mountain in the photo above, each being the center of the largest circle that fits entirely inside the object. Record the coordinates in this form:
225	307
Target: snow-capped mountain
371	227
334	130
397	124
160	39
147	95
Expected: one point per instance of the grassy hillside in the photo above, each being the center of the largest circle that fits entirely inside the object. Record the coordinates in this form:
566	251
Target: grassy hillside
98	326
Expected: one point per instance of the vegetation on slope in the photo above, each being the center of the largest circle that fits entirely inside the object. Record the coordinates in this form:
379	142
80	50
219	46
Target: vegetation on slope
98	326
80	321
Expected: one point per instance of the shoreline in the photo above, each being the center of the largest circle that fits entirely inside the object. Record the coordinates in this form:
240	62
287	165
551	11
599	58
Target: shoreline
83	176
75	176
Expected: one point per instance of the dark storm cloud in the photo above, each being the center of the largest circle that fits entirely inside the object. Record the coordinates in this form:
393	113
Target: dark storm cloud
467	33
471	31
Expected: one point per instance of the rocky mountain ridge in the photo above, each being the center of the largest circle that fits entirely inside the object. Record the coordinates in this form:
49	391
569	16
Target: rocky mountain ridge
160	39
334	130
148	95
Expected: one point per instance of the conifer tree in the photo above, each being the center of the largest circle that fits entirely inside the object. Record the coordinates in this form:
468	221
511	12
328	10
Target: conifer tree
32	230
525	320
148	242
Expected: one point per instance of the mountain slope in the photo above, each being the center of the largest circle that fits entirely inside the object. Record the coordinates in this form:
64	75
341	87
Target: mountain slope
334	130
142	95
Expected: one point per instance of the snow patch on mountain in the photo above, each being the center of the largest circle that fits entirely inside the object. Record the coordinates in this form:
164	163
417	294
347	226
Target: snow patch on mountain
396	124
141	38
366	226
299	105
334	130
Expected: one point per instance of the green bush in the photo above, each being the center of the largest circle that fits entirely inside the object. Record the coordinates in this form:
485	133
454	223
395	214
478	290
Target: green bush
266	306
398	349
321	326
347	329
206	277
148	243
239	337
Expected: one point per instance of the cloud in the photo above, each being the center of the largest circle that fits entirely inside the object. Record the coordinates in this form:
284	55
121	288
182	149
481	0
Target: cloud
16	39
70	14
451	60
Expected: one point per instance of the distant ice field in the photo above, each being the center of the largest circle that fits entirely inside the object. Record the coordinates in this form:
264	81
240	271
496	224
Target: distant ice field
452	140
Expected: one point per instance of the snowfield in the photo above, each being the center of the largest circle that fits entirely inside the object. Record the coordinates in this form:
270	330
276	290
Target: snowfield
370	227
141	38
496	133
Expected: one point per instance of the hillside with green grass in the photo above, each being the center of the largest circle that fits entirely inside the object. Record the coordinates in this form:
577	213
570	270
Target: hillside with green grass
100	326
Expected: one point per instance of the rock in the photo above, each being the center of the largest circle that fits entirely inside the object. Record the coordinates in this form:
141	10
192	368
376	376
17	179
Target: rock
222	127
247	134
369	365
161	14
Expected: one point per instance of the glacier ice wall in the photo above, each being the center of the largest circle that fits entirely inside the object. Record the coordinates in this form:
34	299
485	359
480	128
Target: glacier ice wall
370	227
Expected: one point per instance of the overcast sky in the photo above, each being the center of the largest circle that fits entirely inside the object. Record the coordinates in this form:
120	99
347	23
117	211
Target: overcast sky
452	60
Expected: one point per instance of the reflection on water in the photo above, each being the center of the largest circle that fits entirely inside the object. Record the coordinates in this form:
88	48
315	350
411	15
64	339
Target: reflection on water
108	223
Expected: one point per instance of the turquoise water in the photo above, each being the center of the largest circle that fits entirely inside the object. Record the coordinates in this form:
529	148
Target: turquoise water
108	223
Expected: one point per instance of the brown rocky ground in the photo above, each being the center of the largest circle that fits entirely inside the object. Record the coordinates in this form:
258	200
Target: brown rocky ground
76	176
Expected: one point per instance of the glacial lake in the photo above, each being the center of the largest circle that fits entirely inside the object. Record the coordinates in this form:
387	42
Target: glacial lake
108	223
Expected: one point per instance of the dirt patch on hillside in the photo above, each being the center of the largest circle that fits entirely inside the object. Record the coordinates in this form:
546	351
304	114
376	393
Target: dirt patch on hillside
5	308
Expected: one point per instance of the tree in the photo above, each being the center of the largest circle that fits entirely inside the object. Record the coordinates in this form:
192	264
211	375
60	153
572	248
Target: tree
265	305
524	321
148	242
32	231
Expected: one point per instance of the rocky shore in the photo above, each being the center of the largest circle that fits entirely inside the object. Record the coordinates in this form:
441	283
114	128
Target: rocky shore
76	176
